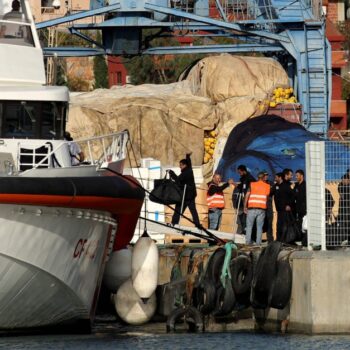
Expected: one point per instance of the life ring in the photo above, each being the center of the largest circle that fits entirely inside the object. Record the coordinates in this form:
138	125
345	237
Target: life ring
282	285
187	314
264	275
205	297
225	300
241	274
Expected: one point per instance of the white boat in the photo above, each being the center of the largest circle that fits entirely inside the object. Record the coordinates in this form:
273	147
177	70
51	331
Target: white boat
58	222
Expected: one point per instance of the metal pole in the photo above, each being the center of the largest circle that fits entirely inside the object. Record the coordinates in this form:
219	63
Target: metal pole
237	211
183	199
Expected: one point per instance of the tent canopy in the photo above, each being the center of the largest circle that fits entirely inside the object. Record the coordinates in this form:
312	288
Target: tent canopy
265	143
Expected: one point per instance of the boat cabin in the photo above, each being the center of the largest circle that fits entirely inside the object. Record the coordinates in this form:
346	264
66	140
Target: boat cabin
22	61
15	27
33	112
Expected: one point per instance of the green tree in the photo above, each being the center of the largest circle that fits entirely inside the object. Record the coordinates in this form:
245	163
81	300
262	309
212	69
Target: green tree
66	39
100	72
141	70
344	29
164	69
158	69
100	67
61	78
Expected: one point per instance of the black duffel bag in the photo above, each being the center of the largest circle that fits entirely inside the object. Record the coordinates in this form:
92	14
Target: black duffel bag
166	191
291	231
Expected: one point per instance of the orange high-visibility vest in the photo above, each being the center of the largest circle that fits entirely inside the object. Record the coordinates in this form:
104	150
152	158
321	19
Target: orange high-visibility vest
259	191
216	200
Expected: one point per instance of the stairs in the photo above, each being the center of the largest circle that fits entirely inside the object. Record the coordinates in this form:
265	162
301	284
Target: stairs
312	52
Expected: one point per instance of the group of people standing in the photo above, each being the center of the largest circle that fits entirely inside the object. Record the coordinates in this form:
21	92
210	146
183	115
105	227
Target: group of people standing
253	200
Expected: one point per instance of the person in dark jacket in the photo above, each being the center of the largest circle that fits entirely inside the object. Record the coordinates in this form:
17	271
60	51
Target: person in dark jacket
238	196
216	200
300	197
284	201
343	217
274	194
269	210
329	205
186	182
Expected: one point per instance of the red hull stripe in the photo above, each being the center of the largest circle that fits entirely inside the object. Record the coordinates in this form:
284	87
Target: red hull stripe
116	206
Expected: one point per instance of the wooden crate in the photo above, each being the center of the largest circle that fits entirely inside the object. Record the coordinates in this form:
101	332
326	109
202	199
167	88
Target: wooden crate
288	111
175	238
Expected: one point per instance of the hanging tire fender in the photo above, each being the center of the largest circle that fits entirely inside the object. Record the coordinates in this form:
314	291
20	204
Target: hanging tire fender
241	274
225	300
206	297
282	286
264	275
187	314
254	257
214	267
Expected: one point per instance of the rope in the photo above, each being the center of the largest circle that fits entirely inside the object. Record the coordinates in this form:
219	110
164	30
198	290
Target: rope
133	152
225	272
176	270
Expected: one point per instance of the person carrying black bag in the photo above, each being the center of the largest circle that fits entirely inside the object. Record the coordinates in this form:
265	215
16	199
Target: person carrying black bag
165	191
186	182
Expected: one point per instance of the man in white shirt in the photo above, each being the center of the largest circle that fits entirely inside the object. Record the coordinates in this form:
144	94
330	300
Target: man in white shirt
77	155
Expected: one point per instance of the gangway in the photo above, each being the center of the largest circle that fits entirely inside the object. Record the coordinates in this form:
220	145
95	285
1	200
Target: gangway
291	31
158	232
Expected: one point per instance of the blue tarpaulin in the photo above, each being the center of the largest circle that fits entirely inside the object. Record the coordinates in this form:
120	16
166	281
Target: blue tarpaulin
266	143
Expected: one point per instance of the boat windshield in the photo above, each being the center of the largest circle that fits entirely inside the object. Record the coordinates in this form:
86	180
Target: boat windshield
15	33
32	119
15	27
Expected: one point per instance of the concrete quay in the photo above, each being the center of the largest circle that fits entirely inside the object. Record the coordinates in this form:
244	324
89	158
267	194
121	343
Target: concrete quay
319	301
320	296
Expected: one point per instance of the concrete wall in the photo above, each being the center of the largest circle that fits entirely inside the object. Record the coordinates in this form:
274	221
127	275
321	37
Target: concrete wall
320	301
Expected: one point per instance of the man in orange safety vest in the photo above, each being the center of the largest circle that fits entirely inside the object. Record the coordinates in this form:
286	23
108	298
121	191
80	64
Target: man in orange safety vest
255	205
216	201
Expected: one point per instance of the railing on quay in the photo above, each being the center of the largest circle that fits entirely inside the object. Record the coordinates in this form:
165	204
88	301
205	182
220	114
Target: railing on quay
328	194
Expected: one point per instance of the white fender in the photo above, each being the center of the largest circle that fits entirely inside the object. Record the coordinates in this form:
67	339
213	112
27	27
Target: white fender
118	269
144	266
131	308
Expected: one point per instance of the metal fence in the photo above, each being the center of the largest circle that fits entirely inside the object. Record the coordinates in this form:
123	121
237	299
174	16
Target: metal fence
328	193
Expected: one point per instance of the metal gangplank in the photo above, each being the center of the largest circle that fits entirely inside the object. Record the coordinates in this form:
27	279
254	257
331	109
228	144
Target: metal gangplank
291	31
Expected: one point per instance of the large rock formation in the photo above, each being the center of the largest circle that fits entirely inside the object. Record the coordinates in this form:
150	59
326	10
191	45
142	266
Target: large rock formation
166	121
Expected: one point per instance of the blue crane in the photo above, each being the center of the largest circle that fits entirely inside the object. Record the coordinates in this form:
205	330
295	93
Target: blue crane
291	31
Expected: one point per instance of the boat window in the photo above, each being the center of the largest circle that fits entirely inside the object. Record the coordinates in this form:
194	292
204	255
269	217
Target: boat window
31	119
13	32
14	10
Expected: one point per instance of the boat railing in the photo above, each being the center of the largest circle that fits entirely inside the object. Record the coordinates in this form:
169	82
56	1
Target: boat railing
99	150
105	149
